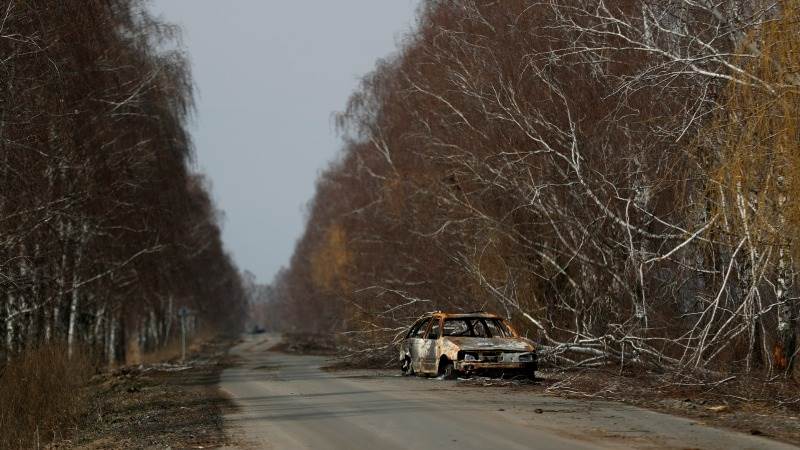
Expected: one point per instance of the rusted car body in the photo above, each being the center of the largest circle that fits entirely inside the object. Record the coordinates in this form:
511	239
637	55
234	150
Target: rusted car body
448	344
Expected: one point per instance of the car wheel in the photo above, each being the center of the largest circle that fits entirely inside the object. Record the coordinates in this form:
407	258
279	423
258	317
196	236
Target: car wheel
447	370
406	367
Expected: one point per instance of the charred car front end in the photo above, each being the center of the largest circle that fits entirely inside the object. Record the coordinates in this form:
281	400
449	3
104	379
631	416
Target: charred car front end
496	360
452	344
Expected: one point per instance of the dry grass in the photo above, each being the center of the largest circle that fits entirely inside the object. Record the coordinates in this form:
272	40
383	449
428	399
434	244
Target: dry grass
41	396
159	406
306	344
171	351
43	393
750	403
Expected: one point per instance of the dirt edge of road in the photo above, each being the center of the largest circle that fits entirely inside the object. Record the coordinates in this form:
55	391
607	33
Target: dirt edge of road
716	407
160	405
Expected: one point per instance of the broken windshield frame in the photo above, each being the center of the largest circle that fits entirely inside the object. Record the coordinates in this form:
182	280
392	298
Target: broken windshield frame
475	327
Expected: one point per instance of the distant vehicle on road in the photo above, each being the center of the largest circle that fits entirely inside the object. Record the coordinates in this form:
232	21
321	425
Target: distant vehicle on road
447	345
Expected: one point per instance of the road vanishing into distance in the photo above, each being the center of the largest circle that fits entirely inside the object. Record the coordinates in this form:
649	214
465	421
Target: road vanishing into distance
288	402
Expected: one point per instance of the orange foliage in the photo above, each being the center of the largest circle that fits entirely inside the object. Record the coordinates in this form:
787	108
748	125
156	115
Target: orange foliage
329	261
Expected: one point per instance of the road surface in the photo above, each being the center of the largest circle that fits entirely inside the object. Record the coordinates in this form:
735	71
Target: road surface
286	402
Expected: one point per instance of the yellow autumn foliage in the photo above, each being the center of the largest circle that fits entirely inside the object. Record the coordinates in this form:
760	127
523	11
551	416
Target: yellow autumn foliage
329	262
760	132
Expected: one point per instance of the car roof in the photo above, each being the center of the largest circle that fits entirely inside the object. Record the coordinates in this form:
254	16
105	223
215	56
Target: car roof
476	314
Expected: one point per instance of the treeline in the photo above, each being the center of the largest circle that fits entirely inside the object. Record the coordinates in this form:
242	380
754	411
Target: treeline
618	177
105	231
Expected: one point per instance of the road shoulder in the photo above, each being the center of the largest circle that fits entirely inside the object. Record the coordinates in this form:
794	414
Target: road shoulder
163	405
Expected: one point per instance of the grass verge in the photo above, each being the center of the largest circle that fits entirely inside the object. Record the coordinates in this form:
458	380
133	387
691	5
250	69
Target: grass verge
41	396
159	405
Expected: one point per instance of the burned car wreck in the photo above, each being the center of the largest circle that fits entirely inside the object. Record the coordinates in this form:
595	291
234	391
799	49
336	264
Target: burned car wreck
448	345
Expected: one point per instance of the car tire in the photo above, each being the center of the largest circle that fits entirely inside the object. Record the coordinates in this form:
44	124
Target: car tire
447	370
407	368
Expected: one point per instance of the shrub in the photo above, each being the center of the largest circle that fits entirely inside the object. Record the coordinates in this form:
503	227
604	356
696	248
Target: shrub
41	395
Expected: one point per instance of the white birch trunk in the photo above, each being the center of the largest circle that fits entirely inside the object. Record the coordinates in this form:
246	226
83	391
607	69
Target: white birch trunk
73	319
48	327
170	314
9	326
785	352
99	320
75	295
63	232
153	330
111	351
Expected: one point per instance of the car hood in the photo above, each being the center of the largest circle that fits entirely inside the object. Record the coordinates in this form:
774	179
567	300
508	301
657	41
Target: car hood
509	344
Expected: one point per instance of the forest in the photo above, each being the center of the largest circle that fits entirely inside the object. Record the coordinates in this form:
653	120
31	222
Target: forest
106	230
617	177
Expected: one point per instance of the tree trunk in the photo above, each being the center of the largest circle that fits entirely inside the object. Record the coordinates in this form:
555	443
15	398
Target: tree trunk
9	326
111	351
73	320
75	297
168	324
48	327
97	335
783	352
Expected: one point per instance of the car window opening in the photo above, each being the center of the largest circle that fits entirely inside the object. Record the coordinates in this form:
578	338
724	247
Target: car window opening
477	327
434	333
419	330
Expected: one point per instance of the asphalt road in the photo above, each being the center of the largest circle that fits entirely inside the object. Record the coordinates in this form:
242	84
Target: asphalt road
287	402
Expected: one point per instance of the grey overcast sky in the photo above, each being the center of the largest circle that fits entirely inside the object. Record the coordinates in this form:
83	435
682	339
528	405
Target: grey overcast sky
269	74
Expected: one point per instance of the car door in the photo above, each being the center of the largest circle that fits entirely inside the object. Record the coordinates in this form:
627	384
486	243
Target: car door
428	351
405	344
414	344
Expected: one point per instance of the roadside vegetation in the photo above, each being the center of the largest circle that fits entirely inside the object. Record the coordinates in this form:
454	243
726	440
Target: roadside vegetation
105	230
619	178
42	396
164	404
